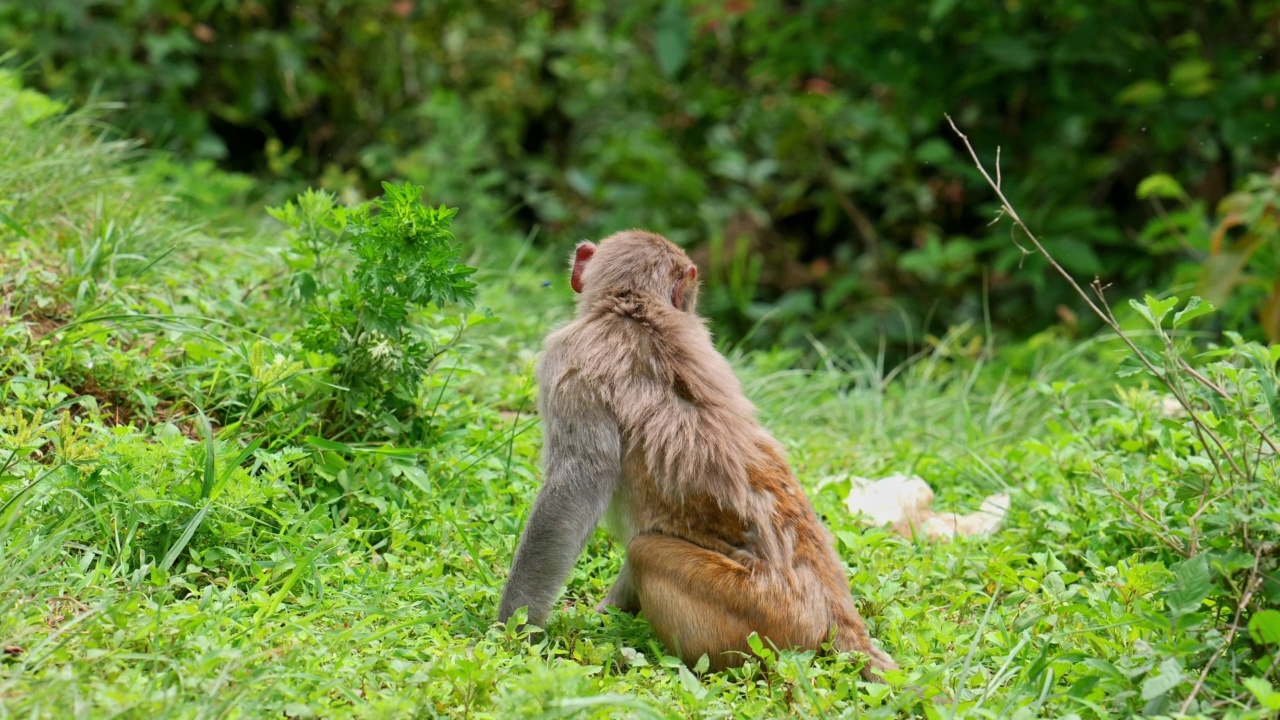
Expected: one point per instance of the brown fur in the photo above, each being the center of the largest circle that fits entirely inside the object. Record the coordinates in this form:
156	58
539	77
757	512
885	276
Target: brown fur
721	539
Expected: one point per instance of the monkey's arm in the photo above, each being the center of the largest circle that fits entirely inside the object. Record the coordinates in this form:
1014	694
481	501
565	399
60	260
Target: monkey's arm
582	457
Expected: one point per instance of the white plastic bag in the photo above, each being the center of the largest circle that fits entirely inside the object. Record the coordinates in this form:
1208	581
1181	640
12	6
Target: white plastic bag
906	504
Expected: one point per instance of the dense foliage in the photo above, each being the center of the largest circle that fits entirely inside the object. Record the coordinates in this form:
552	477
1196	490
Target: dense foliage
799	146
224	492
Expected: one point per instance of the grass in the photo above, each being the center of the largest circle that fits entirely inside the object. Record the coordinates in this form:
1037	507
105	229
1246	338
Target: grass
181	535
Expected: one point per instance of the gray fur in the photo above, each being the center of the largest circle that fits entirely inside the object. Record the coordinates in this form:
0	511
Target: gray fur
582	458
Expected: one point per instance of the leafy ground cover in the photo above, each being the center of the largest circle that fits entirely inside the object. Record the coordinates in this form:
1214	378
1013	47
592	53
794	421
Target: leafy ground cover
235	483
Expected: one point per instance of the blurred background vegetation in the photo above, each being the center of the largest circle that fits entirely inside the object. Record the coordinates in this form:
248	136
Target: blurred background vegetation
798	148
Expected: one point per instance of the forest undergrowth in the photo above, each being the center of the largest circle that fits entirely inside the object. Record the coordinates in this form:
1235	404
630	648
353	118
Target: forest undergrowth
236	482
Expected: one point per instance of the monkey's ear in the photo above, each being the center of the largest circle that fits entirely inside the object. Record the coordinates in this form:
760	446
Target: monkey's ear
686	279
580	258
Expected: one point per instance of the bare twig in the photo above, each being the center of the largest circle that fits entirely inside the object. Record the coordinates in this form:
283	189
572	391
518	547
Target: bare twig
1007	208
1249	587
1202	430
1157	528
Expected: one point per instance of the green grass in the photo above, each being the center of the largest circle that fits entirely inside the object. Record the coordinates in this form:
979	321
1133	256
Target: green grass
180	536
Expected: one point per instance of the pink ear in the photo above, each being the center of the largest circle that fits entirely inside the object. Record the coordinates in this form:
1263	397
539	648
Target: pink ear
580	258
677	295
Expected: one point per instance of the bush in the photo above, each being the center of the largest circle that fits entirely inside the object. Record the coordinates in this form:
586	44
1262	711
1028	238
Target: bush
1232	260
405	262
804	139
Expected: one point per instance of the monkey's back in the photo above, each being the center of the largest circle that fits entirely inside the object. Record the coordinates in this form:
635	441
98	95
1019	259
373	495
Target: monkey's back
696	464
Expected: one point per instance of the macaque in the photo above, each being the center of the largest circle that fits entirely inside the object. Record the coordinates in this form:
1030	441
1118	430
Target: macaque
646	427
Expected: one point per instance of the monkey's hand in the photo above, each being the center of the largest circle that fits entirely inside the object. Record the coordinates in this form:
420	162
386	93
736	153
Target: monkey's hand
623	595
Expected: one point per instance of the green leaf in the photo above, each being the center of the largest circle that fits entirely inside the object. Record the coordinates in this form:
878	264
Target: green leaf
1191	586
230	467
1267	381
671	38
1084	686
13	225
298	710
287	214
1054	585
1195	308
1143	92
1171	676
934	151
210	456
940	9
567	707
416	475
757	646
1155	309
273	603
1264	627
1192	77
187	532
1161	185
304	285
691	684
329	445
1264	692
1014	52
1132	365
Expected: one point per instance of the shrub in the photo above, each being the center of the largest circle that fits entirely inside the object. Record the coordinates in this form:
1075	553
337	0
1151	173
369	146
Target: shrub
405	261
808	132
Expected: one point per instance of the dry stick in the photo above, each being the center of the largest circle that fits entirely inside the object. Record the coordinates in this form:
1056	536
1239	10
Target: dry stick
1007	207
1157	529
1181	394
1249	586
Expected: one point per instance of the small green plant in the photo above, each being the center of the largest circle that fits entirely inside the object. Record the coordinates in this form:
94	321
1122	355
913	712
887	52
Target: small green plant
367	321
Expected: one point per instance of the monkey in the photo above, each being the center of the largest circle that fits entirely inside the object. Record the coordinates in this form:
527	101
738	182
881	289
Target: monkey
646	429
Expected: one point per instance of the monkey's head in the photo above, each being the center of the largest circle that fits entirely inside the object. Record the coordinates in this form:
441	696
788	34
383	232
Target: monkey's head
637	262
